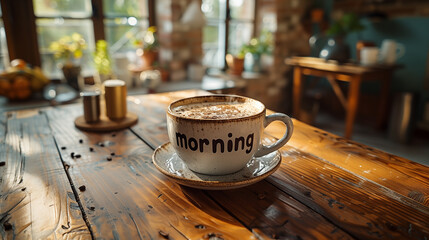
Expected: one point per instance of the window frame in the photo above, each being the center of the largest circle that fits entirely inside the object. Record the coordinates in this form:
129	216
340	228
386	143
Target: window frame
21	36
227	20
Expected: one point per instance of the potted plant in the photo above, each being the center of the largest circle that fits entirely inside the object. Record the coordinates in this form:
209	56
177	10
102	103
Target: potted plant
255	49
235	62
336	48
147	43
102	62
69	50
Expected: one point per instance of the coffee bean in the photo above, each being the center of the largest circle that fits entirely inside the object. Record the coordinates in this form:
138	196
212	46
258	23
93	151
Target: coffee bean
200	226
91	149
7	226
80	141
112	154
164	235
82	188
72	154
78	156
63	148
2	164
109	159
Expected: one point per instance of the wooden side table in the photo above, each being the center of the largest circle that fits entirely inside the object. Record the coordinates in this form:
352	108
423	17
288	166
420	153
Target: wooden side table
352	73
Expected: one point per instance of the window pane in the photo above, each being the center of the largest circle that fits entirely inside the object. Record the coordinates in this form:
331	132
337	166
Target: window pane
242	9
121	8
64	8
50	30
239	34
214	9
119	30
4	56
213	46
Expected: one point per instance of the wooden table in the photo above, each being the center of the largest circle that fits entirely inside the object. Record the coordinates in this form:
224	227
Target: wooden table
327	187
352	73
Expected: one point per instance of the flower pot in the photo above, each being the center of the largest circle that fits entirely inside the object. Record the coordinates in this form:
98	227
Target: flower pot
235	64
148	57
72	74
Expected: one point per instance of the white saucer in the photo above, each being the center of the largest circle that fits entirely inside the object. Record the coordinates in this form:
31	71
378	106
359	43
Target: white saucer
169	163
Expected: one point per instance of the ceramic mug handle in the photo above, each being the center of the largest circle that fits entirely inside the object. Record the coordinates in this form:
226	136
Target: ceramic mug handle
400	50
289	129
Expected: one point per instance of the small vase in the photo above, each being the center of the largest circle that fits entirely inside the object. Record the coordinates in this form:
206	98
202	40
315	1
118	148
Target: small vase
148	57
72	74
336	49
252	62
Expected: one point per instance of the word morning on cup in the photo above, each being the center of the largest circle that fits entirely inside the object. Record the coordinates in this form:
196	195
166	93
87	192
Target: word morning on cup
220	134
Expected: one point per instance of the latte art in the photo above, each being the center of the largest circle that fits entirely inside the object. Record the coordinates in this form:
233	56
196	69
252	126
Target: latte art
217	110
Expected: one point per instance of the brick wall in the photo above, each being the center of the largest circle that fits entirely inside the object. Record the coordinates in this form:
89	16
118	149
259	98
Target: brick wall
180	45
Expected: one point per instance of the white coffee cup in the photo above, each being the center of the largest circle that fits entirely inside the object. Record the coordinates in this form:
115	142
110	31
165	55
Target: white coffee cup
212	139
391	51
369	55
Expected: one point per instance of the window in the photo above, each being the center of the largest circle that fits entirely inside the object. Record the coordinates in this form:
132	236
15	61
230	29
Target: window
230	24
112	20
4	58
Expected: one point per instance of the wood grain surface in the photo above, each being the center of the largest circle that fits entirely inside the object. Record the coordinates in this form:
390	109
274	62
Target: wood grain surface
36	200
60	182
401	175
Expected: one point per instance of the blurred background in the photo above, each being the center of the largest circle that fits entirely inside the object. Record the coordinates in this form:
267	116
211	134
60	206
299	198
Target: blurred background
224	46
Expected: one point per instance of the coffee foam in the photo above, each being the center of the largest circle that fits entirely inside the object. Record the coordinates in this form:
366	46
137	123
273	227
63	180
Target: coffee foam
217	110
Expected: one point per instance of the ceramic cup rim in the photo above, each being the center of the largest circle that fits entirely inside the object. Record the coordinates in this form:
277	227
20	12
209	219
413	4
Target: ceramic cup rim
215	98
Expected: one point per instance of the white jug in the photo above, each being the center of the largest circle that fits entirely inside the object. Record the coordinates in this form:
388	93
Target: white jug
390	51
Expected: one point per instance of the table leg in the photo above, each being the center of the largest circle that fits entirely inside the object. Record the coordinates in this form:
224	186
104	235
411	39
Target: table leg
353	100
297	91
384	99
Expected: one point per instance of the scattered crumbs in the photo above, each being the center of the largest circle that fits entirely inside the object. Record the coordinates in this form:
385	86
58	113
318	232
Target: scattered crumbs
72	154
80	141
109	158
101	144
92	208
113	135
23	189
64	227
78	156
149	206
7	226
261	196
163	234
63	148
160	195
102	208
116	192
91	149
66	166
200	226
112	154
2	163
82	188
